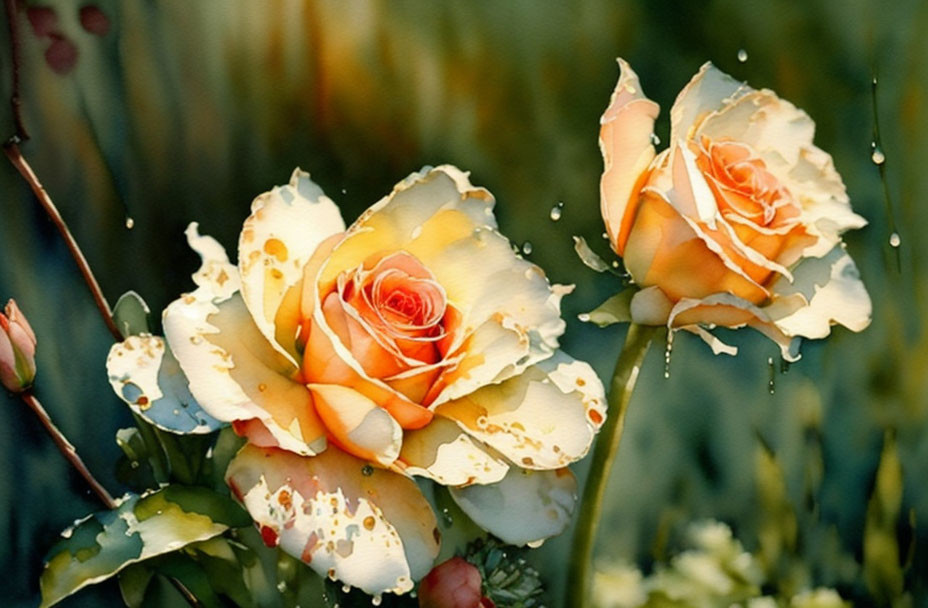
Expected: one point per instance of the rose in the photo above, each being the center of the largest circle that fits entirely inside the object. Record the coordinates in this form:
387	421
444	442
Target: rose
17	349
414	343
738	222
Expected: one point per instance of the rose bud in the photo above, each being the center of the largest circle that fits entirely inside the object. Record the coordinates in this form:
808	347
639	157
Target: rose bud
17	349
455	583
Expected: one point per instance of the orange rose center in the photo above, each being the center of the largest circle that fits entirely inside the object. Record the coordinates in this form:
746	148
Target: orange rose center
742	184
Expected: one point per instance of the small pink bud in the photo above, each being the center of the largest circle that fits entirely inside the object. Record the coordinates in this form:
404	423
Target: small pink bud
17	349
455	583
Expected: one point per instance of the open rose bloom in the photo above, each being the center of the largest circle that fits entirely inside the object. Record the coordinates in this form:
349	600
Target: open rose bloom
737	223
414	343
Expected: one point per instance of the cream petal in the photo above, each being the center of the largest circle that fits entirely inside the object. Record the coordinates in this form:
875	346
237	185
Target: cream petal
369	528
235	374
525	507
708	91
215	272
145	374
544	418
444	453
727	310
359	425
625	144
285	227
835	294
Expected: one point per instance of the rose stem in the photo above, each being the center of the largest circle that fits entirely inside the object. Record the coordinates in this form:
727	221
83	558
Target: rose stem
66	449
881	166
15	99
11	148
580	573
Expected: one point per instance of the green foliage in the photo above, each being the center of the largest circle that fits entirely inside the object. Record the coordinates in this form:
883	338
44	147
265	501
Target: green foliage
508	579
132	315
617	309
142	527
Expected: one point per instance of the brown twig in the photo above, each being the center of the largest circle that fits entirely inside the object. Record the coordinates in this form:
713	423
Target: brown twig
67	450
15	99
11	148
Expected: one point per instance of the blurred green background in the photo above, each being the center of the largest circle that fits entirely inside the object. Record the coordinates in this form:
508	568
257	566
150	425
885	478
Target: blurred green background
186	110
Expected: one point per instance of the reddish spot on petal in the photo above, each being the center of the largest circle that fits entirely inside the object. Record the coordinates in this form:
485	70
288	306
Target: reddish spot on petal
61	55
269	536
595	416
236	490
94	21
43	20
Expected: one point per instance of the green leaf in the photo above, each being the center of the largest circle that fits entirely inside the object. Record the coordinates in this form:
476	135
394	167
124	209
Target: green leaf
882	568
142	527
589	257
616	309
226	447
131	315
133	583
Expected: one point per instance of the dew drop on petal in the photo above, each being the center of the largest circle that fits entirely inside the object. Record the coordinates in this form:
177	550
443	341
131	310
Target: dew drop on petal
130	223
556	212
878	157
367	470
376	600
527	248
742	55
895	240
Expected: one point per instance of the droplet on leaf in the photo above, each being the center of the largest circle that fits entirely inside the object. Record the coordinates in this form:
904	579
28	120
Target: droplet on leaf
742	55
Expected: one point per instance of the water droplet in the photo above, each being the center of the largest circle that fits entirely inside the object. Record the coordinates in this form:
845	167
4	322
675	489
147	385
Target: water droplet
771	382
367	470
556	211
655	140
895	240
606	235
878	157
376	600
742	55
584	316
446	519
615	263
134	464
527	248
346	588
130	223
282	586
668	350
344	190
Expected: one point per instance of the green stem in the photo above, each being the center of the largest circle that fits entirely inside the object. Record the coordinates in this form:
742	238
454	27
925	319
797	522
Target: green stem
580	574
